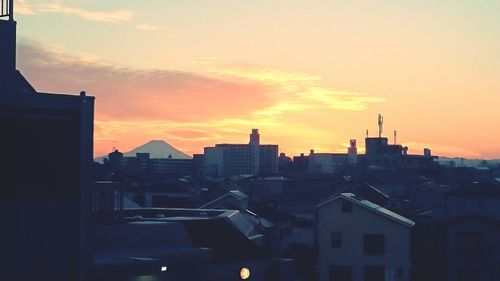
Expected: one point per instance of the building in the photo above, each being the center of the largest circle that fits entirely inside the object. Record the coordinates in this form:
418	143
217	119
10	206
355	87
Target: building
143	164
115	160
226	160
331	163
380	155
182	245
326	163
473	248
47	142
458	239
359	240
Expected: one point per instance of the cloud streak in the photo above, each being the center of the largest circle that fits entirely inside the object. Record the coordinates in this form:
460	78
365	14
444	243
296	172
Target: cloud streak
301	91
146	27
115	16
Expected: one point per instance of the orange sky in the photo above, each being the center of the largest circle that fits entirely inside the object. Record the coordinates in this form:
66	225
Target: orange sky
308	75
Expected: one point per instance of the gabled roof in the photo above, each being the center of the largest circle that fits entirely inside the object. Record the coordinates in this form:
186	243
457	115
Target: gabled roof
372	207
238	195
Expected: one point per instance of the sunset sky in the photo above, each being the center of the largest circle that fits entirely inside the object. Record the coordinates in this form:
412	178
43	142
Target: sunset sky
308	74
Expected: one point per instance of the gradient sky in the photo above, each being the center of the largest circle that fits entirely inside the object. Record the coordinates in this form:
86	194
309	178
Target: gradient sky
308	74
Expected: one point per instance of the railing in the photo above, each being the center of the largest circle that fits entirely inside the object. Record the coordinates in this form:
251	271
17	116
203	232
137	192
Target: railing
7	8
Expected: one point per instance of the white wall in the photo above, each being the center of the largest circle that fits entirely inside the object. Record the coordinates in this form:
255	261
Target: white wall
353	226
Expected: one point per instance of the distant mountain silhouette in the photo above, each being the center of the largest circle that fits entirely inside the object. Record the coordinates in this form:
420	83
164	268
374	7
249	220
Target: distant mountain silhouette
156	149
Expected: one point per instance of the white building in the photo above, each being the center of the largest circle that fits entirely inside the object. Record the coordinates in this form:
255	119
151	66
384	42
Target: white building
359	240
330	163
326	163
241	159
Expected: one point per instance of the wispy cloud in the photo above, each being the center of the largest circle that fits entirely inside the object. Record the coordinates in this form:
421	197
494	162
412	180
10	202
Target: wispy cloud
146	27
114	16
268	75
24	8
335	99
301	91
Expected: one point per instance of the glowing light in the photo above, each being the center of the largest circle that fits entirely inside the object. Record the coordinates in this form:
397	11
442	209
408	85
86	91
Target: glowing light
244	273
164	268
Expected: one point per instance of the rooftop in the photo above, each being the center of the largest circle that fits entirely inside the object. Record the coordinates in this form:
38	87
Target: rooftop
372	207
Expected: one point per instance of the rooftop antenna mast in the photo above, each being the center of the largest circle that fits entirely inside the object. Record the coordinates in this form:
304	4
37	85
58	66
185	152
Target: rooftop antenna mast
395	137
380	125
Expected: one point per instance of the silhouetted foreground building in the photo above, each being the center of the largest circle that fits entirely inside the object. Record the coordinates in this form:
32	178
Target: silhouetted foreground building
46	141
226	160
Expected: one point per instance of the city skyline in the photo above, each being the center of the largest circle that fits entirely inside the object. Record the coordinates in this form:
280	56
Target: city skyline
308	76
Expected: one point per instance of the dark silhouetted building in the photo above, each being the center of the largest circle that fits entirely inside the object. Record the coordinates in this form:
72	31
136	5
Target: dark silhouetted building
380	155
47	154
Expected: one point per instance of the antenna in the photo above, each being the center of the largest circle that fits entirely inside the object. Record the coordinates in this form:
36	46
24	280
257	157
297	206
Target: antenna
380	125
395	137
366	133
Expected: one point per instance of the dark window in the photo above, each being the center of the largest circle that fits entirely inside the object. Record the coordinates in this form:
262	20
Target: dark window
374	273
468	244
374	244
341	273
346	207
336	240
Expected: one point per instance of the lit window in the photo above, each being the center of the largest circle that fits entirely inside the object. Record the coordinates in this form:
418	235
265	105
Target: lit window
164	268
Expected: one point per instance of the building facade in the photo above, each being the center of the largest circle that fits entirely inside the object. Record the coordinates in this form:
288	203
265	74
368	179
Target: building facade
359	240
226	160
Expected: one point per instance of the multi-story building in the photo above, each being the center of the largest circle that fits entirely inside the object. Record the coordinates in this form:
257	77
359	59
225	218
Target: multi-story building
330	163
382	155
241	159
326	163
359	240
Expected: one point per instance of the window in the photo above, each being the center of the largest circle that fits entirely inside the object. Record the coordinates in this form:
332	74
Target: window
346	206
340	273
336	240
374	273
374	244
468	244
